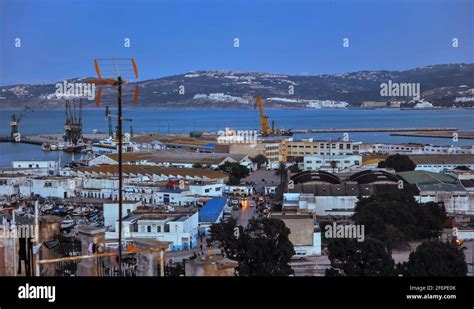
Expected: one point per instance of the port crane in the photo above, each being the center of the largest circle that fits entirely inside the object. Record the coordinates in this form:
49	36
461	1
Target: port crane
73	125
109	116
263	116
266	131
14	123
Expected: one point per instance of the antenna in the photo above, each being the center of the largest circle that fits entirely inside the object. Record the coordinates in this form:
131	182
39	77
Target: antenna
115	72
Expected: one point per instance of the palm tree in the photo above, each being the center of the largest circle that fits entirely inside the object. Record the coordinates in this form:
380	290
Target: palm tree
281	171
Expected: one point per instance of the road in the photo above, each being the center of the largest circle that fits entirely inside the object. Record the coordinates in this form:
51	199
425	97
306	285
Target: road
246	213
262	178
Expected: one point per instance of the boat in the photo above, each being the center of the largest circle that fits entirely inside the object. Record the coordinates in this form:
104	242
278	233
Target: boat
61	146
71	148
53	147
46	147
59	211
77	211
67	223
47	207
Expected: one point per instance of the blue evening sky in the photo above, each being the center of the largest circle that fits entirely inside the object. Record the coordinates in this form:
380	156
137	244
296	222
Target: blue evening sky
60	38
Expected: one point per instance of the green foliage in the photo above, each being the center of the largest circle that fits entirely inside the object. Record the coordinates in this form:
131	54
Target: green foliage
435	258
260	159
262	249
400	163
397	217
352	258
234	169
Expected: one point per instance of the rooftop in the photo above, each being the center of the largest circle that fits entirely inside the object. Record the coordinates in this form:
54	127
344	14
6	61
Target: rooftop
176	157
156	170
425	177
443	159
211	211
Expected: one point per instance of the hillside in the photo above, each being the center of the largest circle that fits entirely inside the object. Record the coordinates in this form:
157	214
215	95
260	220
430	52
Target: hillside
440	84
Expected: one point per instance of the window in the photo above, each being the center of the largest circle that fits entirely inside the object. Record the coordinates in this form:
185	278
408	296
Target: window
206	190
158	229
142	229
148	228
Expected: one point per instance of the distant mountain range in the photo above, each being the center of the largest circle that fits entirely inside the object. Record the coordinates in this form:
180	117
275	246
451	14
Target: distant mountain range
444	85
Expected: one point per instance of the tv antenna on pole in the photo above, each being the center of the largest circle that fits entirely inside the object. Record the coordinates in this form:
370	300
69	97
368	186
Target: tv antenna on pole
115	72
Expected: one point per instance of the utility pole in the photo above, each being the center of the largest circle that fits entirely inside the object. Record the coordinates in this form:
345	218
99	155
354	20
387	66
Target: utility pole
114	68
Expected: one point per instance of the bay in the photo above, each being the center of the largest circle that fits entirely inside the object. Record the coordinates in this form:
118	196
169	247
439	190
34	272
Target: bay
44	121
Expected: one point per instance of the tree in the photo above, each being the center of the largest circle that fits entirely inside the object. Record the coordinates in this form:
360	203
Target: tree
281	171
260	160
235	170
395	218
400	163
435	258
352	258
262	249
197	165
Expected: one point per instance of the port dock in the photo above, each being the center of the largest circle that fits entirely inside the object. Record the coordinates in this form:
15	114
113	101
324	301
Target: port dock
369	130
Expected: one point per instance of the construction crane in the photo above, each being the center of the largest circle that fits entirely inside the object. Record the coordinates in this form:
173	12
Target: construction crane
14	123
263	117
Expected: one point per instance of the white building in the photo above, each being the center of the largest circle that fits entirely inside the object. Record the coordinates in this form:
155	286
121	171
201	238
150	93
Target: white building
416	149
320	205
111	211
180	229
175	197
330	163
442	162
51	186
207	189
304	235
10	185
424	105
37	167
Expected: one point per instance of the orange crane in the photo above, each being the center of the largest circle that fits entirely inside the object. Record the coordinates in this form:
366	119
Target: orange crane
263	117
266	131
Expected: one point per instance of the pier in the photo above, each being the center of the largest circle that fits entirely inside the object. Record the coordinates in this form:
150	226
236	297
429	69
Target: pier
369	130
49	138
